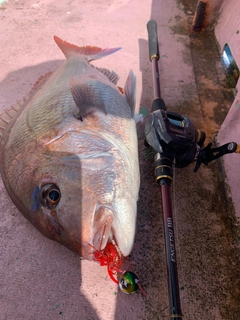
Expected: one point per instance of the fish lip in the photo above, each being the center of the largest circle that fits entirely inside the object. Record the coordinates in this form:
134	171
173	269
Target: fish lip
100	240
124	243
102	228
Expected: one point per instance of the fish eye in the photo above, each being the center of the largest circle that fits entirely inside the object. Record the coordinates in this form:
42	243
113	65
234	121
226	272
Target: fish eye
50	196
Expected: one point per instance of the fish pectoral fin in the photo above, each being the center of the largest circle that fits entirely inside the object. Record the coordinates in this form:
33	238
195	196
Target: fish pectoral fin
130	91
111	75
91	53
140	121
87	97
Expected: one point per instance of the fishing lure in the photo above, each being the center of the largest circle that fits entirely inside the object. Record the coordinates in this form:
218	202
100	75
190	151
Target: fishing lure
112	258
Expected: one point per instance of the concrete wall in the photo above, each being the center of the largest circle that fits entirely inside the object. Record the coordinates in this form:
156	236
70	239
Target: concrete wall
227	30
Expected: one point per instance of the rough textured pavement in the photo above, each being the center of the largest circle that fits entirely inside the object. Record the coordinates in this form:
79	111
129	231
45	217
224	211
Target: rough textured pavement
41	279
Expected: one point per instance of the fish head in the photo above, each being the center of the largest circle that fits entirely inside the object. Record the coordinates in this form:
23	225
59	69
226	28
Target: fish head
72	193
51	197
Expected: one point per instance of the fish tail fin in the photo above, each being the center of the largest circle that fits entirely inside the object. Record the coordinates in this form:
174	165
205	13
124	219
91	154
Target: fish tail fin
91	53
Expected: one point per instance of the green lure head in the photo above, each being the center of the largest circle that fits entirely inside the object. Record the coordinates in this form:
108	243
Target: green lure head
128	282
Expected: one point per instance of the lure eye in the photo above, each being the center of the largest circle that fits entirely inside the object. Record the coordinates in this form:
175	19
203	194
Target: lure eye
50	196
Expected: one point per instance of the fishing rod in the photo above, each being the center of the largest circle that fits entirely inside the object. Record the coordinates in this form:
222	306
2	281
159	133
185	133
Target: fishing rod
176	142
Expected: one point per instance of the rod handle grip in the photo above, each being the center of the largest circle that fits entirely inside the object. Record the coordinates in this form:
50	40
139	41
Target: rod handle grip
153	40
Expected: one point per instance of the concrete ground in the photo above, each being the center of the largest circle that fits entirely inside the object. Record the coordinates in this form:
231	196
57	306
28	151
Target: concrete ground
40	279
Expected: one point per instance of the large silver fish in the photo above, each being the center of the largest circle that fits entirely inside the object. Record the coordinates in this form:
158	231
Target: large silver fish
69	156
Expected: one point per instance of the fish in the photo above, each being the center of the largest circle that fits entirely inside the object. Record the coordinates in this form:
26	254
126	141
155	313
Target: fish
69	154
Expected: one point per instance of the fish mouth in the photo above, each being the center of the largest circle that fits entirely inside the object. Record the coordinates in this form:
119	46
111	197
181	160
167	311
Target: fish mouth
102	228
107	229
103	235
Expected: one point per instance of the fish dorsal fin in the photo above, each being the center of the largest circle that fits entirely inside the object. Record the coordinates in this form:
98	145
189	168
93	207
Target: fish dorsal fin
111	75
130	91
8	117
91	53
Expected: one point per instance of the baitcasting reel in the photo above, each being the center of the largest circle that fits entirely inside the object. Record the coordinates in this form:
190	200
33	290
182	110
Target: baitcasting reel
175	136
